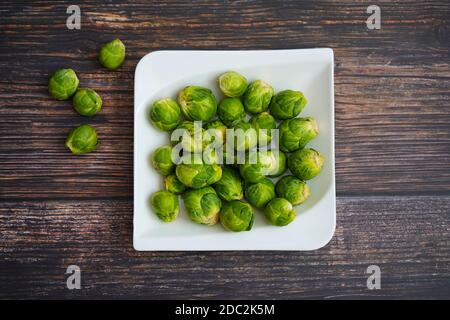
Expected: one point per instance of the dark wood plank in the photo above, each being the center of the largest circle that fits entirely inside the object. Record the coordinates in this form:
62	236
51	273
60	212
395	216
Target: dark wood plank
407	237
392	87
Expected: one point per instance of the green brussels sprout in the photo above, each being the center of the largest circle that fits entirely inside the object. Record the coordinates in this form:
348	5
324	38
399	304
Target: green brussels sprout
296	133
197	103
263	123
112	54
165	204
220	130
172	184
229	187
82	139
260	193
202	205
87	102
162	160
257	97
278	163
305	164
245	136
63	84
191	136
287	104
236	216
165	114
198	175
257	165
231	111
292	189
280	212
232	84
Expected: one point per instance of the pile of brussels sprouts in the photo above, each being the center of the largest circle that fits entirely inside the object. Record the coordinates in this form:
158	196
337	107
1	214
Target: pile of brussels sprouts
224	183
63	84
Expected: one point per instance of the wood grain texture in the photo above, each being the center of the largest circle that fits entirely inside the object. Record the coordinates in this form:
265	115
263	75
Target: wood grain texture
392	150
392	86
408	237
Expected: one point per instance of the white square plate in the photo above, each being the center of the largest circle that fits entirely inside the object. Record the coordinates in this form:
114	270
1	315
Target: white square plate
162	74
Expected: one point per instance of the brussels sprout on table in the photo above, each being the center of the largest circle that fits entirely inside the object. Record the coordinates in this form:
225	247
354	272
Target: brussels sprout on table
232	84
305	164
162	160
245	136
260	164
197	103
87	102
263	123
231	111
165	114
278	163
198	175
280	212
112	54
219	128
82	139
229	187
257	97
165	205
172	184
62	84
202	205
287	104
260	193
296	133
191	136
292	189
236	216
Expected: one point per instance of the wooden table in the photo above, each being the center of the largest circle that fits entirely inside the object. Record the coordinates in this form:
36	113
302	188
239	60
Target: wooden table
392	151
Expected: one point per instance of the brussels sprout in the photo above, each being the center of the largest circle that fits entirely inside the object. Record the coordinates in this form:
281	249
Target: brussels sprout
260	193
165	205
229	187
174	185
82	139
305	164
280	212
257	166
257	97
112	54
231	111
202	205
165	114
245	136
232	84
263	123
296	133
278	163
192	137
63	84
162	160
220	130
87	102
292	189
287	104
198	175
197	103
236	216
